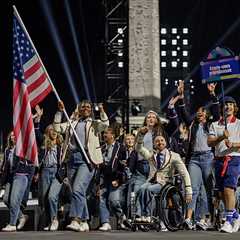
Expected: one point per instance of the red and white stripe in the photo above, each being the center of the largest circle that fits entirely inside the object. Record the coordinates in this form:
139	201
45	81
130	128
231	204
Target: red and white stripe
38	85
24	132
25	96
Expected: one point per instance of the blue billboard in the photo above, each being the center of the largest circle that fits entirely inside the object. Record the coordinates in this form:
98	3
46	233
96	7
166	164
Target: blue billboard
222	69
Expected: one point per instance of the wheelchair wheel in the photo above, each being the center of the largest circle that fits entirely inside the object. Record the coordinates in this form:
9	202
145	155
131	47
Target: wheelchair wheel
171	207
134	227
144	228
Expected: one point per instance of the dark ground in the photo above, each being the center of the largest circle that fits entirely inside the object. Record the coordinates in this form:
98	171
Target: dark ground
118	235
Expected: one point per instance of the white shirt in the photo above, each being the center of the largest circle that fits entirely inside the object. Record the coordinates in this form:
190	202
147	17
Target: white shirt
217	129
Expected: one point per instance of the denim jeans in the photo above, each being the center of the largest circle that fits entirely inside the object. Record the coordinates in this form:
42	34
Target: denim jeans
50	189
26	194
53	197
145	202
19	191
111	201
80	176
200	171
134	185
201	204
7	193
16	194
46	179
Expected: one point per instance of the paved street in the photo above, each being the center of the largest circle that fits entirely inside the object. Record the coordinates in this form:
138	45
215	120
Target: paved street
118	235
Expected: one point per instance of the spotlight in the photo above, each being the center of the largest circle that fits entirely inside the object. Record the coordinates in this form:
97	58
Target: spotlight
185	53
163	42
185	64
163	64
174	41
120	31
174	53
185	42
185	30
136	108
120	64
163	53
174	64
174	30
57	40
163	31
120	53
120	41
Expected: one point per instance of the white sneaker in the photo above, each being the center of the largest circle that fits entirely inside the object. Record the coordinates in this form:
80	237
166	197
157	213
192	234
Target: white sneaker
54	225
163	227
121	222
236	224
84	227
188	224
122	226
201	225
227	227
9	228
105	227
74	225
46	228
22	220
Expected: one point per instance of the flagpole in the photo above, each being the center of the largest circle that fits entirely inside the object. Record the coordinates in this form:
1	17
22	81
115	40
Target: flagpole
51	83
224	111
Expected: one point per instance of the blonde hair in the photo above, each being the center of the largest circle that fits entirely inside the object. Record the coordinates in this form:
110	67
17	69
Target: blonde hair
129	135
49	143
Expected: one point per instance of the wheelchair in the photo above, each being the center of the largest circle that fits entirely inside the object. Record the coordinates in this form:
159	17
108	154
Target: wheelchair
169	209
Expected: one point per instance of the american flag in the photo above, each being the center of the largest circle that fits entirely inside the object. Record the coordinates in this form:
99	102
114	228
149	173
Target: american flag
30	86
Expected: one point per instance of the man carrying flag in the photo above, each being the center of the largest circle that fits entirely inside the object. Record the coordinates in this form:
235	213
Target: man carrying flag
30	86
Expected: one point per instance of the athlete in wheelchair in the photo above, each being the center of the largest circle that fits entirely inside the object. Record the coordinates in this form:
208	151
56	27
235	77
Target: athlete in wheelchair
161	199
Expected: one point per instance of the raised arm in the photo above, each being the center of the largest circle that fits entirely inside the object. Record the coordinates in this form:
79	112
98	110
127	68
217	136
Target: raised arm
103	123
139	144
182	107
214	107
173	123
37	119
57	122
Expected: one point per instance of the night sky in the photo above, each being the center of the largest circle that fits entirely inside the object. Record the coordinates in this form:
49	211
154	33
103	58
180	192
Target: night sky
208	20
